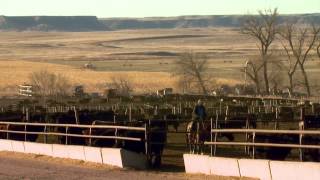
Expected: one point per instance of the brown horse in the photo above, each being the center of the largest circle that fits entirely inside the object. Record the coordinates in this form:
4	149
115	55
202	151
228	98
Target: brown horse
196	134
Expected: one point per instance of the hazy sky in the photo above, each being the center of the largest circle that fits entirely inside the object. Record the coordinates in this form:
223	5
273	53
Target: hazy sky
146	8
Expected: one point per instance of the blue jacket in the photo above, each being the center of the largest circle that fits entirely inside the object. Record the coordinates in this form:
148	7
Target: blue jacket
199	112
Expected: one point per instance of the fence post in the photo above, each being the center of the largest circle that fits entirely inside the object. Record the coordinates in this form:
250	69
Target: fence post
253	147
302	119
146	126
25	132
90	132
216	134
67	135
220	105
246	134
277	118
45	136
76	114
27	114
116	130
211	150
300	149
130	111
7	131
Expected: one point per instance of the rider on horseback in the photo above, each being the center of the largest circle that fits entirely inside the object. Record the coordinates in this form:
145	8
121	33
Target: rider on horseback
199	115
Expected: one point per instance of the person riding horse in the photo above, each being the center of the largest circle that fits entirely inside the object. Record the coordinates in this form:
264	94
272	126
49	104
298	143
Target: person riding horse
198	116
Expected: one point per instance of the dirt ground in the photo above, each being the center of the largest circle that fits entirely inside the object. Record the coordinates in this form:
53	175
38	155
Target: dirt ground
22	166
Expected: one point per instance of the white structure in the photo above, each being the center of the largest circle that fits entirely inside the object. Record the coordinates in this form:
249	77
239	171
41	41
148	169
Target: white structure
25	90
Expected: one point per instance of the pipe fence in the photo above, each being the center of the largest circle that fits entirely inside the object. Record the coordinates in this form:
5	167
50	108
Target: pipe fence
213	143
6	129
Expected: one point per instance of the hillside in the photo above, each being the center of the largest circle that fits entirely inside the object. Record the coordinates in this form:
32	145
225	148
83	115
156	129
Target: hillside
50	23
196	21
92	23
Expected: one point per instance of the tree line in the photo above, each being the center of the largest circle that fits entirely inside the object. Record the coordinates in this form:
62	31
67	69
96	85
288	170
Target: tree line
264	70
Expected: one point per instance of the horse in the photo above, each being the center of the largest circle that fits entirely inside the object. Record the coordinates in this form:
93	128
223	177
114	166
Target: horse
196	134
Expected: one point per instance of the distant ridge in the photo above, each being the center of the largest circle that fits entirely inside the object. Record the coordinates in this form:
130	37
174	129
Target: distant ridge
51	23
92	23
197	21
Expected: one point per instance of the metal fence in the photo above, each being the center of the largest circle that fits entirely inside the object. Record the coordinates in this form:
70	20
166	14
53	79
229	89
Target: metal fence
6	129
213	143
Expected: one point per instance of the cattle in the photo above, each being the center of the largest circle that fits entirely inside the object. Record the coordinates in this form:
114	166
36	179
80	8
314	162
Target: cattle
33	117
101	142
84	117
311	122
274	153
281	153
9	117
3	127
236	117
156	140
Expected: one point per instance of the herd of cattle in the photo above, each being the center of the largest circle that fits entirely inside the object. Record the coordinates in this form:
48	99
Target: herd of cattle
158	116
88	117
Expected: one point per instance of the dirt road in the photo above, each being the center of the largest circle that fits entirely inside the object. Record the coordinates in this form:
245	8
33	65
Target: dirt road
21	166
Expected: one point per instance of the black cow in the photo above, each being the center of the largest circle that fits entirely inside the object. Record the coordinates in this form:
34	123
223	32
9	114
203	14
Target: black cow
245	121
101	142
34	117
274	153
157	137
311	122
84	117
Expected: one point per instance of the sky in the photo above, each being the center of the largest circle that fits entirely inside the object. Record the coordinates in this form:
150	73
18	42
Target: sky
152	8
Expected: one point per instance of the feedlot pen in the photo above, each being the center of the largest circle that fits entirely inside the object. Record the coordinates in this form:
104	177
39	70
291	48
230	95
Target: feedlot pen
176	145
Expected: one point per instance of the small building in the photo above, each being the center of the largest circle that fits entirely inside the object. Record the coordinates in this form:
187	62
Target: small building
164	92
25	90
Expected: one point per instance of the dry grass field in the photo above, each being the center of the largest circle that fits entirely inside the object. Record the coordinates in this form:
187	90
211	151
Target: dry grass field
146	57
13	73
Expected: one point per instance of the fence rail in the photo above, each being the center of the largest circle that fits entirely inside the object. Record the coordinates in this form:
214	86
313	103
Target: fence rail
266	131
66	134
254	144
75	125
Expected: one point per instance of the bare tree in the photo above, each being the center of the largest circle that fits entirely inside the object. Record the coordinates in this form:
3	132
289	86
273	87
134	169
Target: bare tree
276	74
292	63
252	70
264	29
318	48
46	83
122	84
299	43
193	67
184	83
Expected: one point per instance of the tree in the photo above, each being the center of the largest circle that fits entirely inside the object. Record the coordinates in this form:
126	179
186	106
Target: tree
193	68
276	78
299	43
252	70
264	29
318	48
292	63
46	83
122	84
